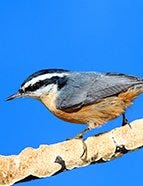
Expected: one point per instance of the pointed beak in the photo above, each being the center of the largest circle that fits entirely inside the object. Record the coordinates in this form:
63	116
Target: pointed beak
14	96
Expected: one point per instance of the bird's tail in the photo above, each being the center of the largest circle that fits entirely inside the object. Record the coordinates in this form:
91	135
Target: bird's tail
133	92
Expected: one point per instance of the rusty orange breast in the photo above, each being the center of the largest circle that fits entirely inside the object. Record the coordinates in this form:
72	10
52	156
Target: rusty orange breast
99	112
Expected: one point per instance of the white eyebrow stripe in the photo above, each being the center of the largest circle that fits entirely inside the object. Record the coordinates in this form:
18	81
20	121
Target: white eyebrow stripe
43	77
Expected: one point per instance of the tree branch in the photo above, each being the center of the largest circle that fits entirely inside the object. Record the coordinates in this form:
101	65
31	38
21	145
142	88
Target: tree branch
49	160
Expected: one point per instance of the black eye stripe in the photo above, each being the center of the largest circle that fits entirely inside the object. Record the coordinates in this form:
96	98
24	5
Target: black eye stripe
60	81
44	71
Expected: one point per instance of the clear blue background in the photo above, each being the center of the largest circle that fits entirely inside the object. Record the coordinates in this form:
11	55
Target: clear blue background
103	35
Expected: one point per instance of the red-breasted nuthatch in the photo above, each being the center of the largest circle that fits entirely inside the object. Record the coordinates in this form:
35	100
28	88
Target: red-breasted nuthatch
82	97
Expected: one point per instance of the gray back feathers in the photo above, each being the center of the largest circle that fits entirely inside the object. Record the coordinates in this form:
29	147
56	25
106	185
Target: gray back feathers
83	88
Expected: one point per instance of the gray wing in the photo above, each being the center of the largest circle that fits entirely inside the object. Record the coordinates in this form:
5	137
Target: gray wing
85	88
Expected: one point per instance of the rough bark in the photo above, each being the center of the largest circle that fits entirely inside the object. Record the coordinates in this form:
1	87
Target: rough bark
48	160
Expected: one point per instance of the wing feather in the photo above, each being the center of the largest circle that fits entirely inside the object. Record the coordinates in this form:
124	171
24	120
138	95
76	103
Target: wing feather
85	88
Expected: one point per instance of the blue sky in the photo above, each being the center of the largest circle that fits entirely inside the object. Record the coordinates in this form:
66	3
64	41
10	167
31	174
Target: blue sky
77	35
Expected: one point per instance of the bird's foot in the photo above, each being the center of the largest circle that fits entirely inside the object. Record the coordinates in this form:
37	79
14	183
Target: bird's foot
125	121
80	135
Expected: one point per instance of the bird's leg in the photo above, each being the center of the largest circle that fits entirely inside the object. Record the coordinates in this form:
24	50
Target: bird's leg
91	125
80	135
125	121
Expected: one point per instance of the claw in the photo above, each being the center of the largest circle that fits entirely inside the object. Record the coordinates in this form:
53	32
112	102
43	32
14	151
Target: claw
125	121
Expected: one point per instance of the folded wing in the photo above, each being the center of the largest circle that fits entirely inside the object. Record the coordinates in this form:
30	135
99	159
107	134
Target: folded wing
88	87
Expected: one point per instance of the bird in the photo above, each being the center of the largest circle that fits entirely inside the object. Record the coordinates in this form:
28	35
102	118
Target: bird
82	97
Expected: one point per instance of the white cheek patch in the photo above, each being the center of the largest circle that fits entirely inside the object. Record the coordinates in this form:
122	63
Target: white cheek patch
43	77
44	90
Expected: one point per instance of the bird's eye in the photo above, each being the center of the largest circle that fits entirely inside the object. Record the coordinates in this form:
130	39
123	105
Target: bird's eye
36	86
33	87
21	91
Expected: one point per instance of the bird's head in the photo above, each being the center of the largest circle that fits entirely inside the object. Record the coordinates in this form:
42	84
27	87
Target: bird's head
41	83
